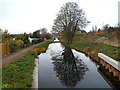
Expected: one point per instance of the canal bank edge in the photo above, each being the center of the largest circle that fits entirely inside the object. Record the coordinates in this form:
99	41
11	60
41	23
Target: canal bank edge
35	71
110	61
96	56
97	59
110	64
86	51
35	75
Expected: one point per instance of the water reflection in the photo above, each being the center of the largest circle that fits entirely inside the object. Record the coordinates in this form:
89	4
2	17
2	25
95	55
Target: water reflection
69	69
61	67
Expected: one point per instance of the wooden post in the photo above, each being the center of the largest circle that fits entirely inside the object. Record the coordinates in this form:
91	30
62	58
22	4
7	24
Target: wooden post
101	61
119	76
104	63
107	66
4	49
111	69
8	48
112	65
115	73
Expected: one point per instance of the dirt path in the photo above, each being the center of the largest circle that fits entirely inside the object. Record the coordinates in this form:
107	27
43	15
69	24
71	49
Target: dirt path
113	42
14	56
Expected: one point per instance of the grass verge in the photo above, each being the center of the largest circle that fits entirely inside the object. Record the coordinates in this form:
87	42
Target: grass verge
19	73
93	48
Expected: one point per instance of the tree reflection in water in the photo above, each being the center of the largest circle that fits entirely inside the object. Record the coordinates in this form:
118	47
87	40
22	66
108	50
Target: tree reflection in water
69	69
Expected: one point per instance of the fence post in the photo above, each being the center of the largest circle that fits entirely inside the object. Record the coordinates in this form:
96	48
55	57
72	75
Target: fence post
3	49
7	48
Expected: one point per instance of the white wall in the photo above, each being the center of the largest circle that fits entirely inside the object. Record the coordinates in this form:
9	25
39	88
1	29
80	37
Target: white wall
110	61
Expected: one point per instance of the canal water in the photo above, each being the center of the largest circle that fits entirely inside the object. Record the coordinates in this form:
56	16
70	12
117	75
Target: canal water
62	67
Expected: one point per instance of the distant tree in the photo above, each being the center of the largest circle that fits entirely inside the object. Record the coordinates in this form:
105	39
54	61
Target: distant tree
69	18
6	34
36	34
1	30
48	36
99	30
112	29
43	31
25	39
95	27
106	27
6	31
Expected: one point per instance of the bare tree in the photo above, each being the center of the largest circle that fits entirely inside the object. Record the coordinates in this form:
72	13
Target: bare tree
43	31
106	27
94	28
70	18
36	34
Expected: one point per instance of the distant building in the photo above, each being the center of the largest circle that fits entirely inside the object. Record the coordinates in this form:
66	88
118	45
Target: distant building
119	13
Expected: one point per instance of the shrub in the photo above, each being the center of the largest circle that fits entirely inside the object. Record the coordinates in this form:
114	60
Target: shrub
25	39
48	36
14	46
37	51
20	43
6	40
87	50
35	41
102	34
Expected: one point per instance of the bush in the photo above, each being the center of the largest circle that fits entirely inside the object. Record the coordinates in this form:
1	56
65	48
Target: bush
14	46
37	51
25	39
102	34
35	41
48	36
6	40
40	40
20	43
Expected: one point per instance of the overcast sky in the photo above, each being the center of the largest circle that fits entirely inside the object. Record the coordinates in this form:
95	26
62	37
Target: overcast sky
19	16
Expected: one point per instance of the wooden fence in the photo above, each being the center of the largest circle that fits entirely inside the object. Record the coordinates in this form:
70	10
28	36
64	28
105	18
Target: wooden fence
4	40
5	49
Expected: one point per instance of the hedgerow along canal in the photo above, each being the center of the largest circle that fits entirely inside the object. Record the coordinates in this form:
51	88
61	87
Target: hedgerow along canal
62	67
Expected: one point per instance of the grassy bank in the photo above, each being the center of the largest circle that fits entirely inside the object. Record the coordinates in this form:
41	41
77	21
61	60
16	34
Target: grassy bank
93	48
19	73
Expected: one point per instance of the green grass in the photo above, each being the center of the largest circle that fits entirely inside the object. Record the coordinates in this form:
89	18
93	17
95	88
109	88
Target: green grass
45	44
19	74
100	47
86	38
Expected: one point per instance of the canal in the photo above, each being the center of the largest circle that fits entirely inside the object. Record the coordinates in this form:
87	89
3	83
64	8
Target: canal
62	67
